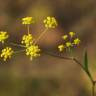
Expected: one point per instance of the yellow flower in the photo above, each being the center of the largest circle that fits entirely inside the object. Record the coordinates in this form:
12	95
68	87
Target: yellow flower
65	37
69	44
76	41
50	22
6	53
61	47
3	36
71	34
27	20
27	40
33	51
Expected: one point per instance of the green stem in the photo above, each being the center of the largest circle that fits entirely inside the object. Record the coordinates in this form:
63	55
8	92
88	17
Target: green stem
15	44
19	51
28	28
87	72
77	62
93	89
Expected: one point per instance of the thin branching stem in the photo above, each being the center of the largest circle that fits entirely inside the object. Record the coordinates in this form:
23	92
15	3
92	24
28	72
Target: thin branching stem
19	51
87	72
40	36
28	28
93	89
18	45
93	82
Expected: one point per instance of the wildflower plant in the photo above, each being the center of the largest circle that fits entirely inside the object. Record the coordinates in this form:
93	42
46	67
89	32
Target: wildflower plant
70	42
6	53
27	20
50	22
27	40
3	36
32	50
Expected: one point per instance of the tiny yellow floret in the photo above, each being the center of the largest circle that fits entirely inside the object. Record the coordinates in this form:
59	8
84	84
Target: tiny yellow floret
69	44
27	40
27	20
76	41
65	37
6	53
33	51
61	47
72	34
3	36
50	22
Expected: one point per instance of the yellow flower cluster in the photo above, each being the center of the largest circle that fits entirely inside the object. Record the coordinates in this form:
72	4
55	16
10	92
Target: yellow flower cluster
27	20
6	53
27	40
32	51
70	41
3	36
50	22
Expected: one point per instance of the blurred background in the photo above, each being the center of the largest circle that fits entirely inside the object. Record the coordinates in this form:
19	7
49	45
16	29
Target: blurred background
47	75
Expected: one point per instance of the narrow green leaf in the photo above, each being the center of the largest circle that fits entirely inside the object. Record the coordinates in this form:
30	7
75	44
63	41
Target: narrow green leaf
86	65
86	60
